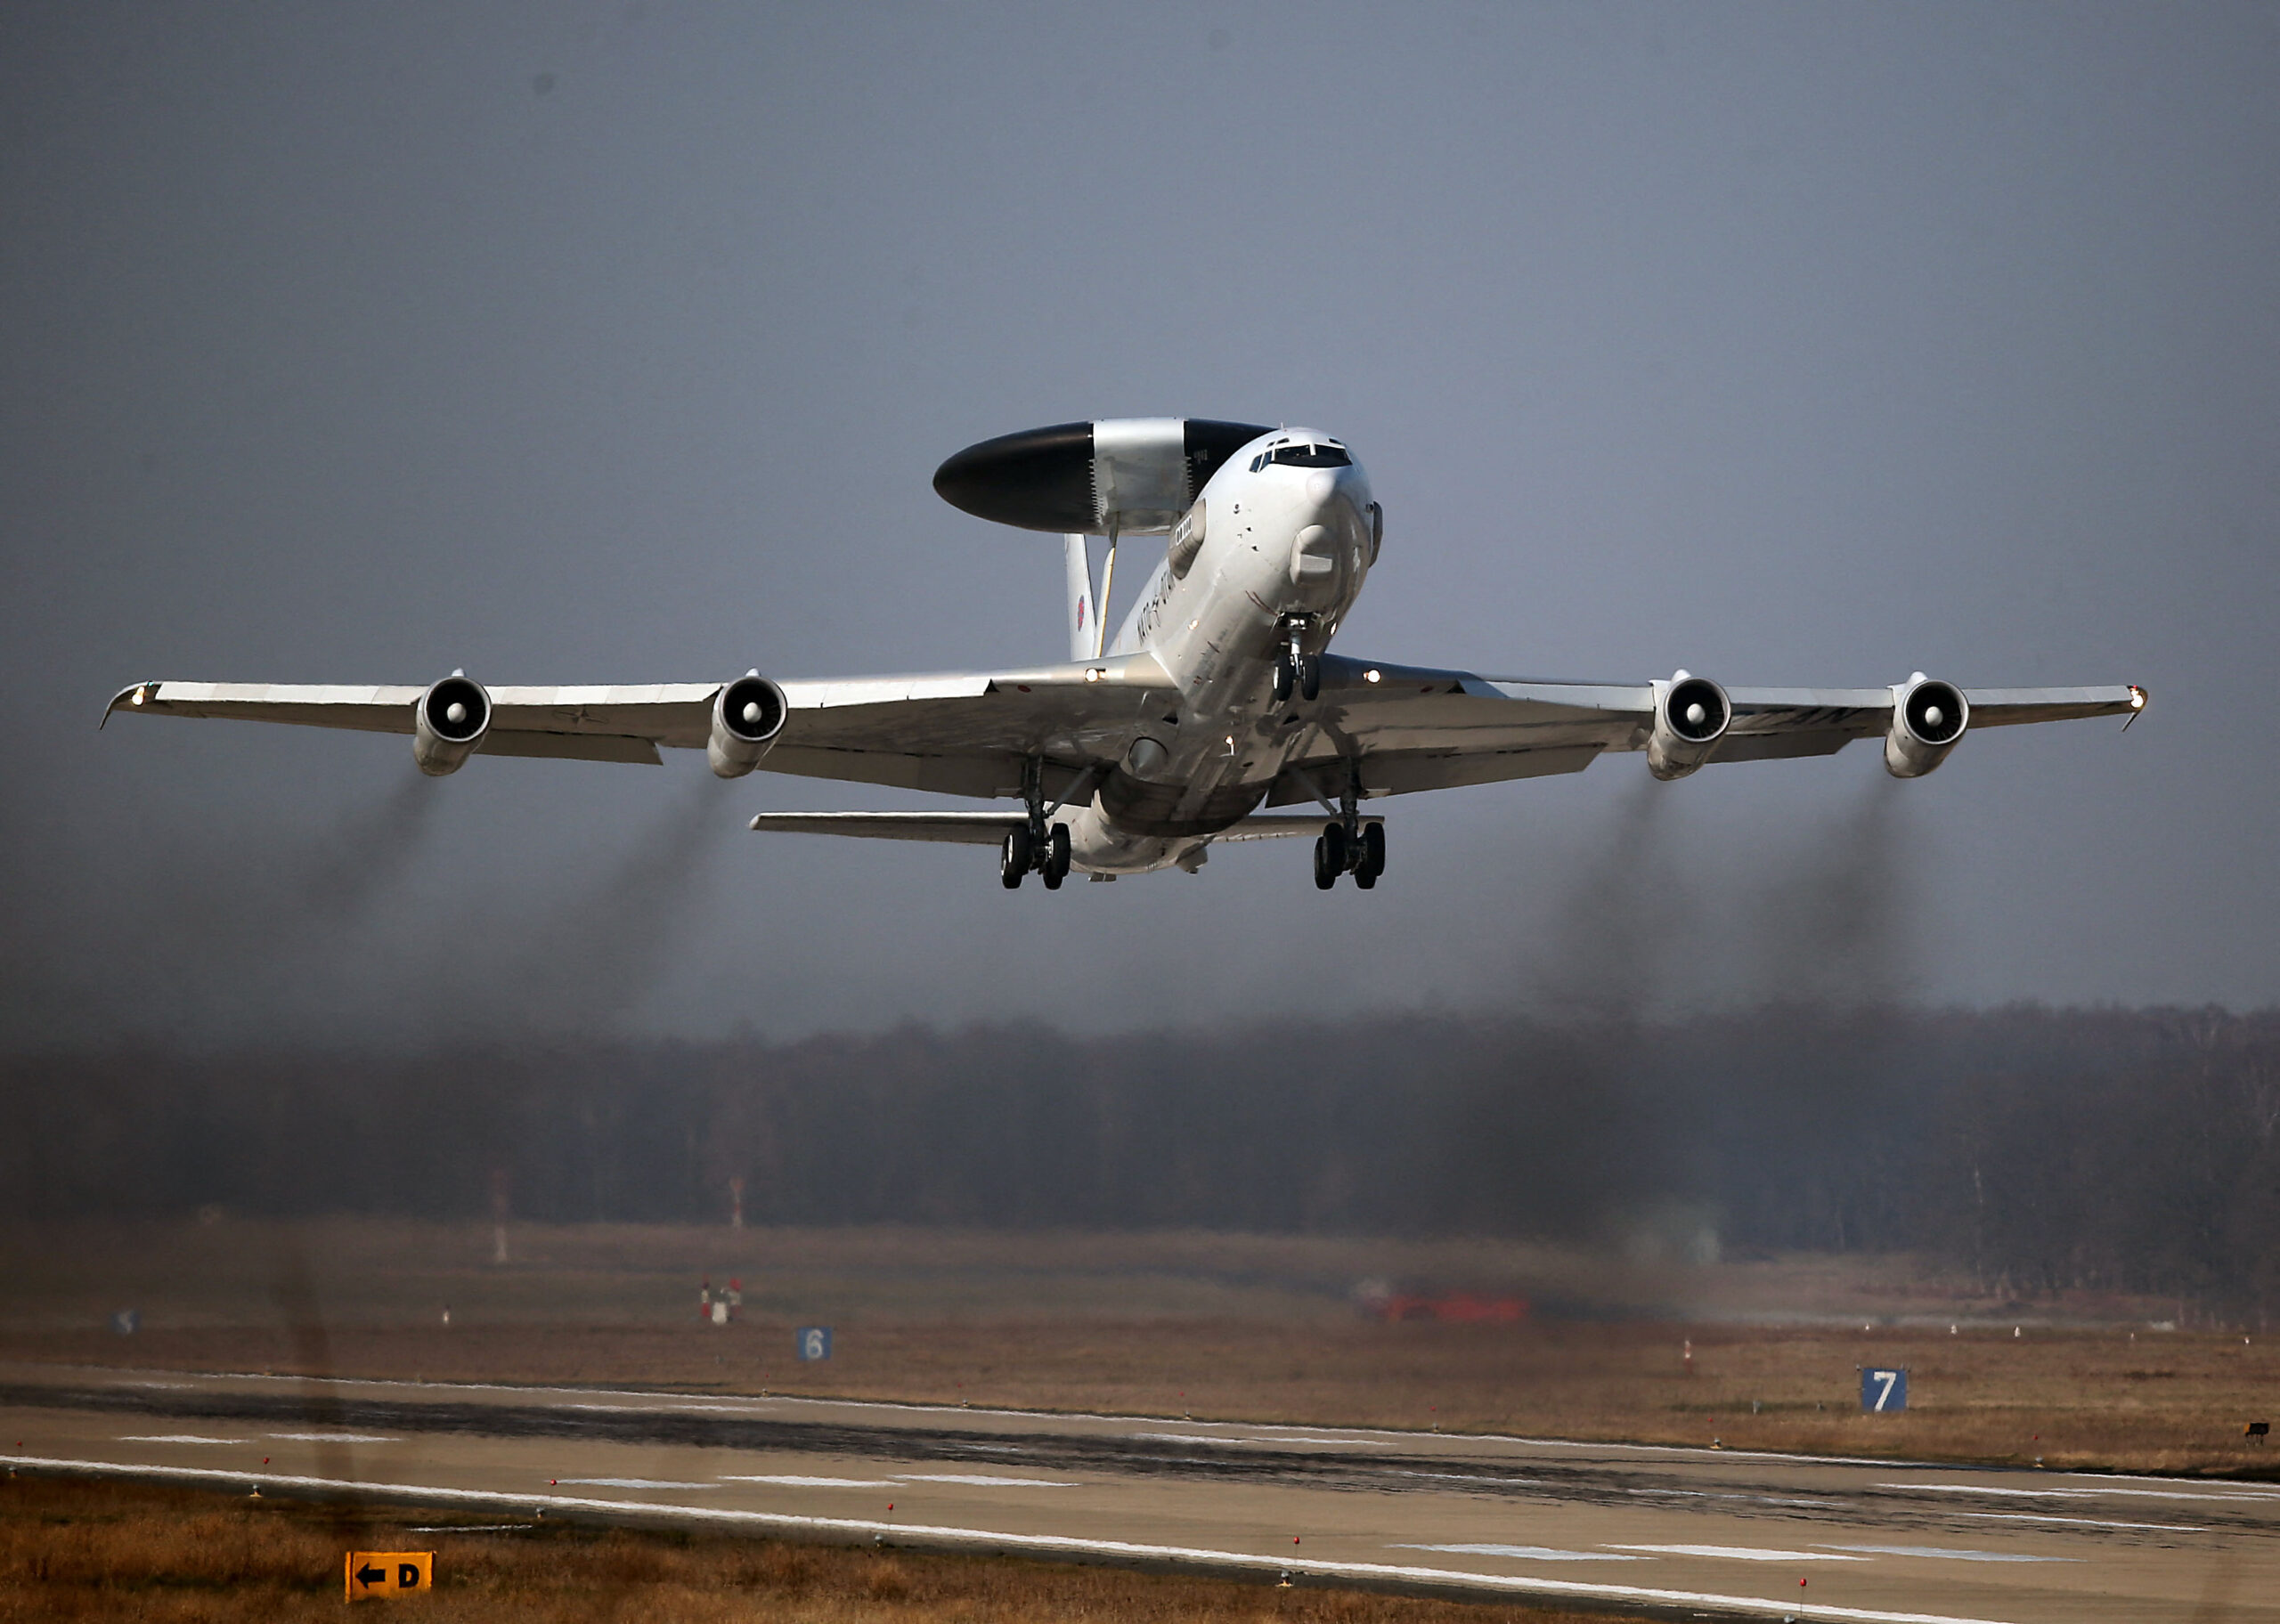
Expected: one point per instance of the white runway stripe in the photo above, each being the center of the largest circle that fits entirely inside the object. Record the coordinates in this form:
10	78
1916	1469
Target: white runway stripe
988	1540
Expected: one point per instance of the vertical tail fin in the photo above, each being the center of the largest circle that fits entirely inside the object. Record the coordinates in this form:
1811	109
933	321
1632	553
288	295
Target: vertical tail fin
1083	636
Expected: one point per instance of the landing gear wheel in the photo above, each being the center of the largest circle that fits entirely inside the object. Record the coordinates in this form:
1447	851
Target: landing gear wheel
1056	857
1284	681
1309	677
1014	858
1373	860
1326	874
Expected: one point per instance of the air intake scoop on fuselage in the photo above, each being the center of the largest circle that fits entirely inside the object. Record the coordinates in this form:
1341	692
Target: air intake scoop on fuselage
1133	475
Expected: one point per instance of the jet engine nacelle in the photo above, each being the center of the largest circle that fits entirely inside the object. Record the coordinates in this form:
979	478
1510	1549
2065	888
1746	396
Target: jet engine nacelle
746	717
1927	721
448	724
1692	714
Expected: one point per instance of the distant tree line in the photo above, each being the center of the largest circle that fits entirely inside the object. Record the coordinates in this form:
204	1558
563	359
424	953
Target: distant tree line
2129	1150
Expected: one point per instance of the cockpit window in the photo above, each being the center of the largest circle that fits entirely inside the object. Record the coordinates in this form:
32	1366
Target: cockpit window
1305	456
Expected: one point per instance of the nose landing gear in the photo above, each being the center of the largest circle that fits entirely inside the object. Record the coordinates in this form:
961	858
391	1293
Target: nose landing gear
1296	670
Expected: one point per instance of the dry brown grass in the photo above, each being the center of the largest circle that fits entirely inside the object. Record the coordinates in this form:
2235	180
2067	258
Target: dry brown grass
77	1549
1238	1326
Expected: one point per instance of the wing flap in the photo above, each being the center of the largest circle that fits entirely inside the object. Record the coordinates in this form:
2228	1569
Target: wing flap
572	746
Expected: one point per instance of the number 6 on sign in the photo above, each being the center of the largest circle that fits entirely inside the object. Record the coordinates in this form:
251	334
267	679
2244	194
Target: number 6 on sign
815	1341
1882	1393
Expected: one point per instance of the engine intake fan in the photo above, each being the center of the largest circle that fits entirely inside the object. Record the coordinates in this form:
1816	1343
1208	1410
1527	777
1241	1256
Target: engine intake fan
448	724
1692	715
746	717
1928	718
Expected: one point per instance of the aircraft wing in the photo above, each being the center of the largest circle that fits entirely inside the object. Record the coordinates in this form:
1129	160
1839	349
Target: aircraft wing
989	828
1413	727
960	734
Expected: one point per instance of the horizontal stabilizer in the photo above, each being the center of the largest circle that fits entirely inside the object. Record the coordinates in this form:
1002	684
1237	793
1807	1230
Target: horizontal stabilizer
1272	826
970	828
987	828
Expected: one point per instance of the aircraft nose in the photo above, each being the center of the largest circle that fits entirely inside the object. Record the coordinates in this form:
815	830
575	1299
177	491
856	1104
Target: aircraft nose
1329	490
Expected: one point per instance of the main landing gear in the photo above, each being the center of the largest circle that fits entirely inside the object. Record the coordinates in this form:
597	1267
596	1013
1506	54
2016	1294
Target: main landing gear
1023	852
1361	855
1036	845
1295	669
1350	846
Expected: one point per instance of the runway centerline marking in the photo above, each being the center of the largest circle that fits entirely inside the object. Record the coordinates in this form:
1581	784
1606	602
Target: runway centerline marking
630	1482
333	1437
1735	1553
976	1477
2036	1517
788	1479
1351	1443
2073	1494
173	1438
1945	1554
1521	1553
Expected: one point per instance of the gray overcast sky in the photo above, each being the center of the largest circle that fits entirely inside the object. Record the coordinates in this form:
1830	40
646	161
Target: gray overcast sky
565	343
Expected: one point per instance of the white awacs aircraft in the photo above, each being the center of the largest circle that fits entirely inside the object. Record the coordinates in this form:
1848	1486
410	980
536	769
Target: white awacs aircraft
1215	698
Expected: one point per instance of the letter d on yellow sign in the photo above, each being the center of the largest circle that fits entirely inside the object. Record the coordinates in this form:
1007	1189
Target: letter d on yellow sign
389	1572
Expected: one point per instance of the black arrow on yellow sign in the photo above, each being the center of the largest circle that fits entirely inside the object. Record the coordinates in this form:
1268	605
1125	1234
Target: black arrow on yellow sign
388	1573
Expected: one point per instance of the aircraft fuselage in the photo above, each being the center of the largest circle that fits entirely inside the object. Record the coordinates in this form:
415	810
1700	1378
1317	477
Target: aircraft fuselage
1287	546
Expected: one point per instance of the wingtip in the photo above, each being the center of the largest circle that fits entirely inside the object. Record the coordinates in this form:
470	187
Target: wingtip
134	693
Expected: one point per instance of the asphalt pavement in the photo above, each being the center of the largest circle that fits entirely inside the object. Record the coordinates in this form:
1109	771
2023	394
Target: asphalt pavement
1677	1532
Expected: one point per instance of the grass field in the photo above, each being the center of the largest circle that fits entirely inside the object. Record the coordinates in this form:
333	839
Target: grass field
75	1550
1235	1327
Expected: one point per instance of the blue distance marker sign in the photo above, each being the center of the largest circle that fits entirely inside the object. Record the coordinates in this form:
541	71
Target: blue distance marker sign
1882	1393
814	1341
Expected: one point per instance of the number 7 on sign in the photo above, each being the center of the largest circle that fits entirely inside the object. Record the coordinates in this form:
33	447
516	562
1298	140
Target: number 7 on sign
1883	1392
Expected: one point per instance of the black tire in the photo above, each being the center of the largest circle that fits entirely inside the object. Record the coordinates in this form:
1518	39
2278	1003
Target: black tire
1326	876
1310	678
1282	681
1373	850
1365	880
1337	852
1056	857
1014	858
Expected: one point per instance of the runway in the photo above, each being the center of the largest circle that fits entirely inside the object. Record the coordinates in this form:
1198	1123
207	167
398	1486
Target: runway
1683	1533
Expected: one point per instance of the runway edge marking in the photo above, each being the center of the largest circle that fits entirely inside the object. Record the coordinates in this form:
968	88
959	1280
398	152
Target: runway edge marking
1188	1556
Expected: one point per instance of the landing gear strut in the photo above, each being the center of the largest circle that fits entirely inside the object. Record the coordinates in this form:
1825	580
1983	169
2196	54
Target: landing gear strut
1036	845
1350	846
1295	669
